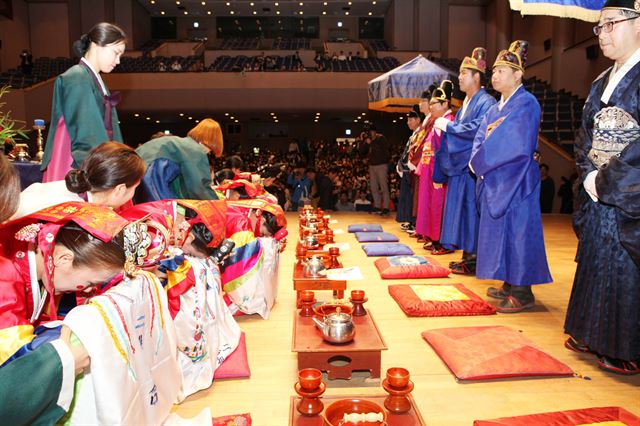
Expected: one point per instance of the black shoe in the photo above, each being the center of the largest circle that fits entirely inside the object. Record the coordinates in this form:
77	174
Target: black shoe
500	293
384	212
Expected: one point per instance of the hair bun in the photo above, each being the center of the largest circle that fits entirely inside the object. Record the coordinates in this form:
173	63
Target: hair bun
81	46
77	182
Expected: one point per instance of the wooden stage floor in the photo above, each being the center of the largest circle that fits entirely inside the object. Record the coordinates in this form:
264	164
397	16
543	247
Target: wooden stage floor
442	400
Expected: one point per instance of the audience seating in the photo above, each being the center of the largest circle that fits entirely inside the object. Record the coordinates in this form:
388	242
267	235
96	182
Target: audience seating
291	44
240	43
359	64
379	45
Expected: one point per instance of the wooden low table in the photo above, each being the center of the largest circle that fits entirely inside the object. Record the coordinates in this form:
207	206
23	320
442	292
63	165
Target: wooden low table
410	418
361	354
300	282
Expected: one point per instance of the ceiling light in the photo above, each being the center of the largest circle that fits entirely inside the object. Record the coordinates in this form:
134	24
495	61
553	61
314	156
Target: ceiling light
324	12
197	121
277	12
204	3
181	114
232	12
355	121
301	4
153	2
339	24
255	13
136	115
364	113
190	118
272	113
301	12
232	117
275	121
373	2
237	121
148	118
196	24
226	113
370	13
325	3
347	12
177	1
208	12
277	4
158	121
315	121
162	12
349	3
251	4
186	13
228	4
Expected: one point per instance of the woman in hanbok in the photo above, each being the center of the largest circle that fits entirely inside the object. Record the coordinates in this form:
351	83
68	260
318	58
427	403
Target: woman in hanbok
510	239
432	194
67	248
108	176
84	111
179	167
603	317
415	153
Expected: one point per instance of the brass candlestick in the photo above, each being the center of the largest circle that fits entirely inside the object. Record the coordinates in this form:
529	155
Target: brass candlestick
39	126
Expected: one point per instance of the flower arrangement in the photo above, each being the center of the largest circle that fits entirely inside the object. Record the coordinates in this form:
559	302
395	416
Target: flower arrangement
11	129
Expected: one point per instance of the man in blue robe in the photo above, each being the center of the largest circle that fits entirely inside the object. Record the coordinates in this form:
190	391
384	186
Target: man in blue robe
510	241
603	317
460	220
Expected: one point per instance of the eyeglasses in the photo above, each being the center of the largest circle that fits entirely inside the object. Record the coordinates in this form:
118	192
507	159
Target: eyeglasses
607	27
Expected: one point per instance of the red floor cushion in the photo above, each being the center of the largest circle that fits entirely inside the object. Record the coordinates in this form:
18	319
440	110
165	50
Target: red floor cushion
386	249
364	227
439	300
396	267
236	365
376	237
609	416
491	352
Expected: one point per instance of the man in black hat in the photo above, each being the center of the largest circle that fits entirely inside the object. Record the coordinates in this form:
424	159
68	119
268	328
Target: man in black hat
603	316
404	211
378	149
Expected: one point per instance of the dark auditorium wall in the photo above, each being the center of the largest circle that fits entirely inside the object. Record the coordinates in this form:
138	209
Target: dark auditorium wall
49	28
14	34
467	29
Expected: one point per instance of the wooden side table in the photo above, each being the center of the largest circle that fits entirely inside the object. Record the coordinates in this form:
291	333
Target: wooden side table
300	282
361	354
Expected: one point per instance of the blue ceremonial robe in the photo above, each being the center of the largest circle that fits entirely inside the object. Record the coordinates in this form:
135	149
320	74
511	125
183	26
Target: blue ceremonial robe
460	219
510	241
603	309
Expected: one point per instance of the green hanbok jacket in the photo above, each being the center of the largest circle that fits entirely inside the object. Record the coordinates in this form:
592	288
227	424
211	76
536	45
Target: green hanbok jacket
78	108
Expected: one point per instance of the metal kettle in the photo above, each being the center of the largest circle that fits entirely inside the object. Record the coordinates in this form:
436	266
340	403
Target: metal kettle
337	327
313	266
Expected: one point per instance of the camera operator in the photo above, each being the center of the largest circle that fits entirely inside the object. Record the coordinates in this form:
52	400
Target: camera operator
376	146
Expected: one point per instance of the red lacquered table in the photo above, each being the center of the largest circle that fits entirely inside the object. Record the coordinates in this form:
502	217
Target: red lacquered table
410	418
361	354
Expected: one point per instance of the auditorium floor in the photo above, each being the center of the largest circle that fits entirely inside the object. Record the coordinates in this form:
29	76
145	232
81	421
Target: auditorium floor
441	399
